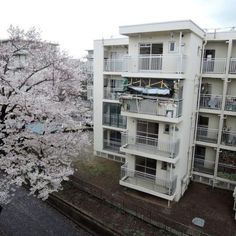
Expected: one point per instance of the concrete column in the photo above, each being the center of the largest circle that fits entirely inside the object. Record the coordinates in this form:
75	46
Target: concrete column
221	123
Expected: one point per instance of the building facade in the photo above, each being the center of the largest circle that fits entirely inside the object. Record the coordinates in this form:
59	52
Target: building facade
165	106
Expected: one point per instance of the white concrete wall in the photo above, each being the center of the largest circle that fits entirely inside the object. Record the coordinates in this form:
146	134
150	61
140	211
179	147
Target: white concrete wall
232	88
98	95
190	91
220	48
213	120
119	51
216	85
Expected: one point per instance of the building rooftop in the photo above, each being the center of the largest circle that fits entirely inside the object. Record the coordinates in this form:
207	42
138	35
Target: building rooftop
184	26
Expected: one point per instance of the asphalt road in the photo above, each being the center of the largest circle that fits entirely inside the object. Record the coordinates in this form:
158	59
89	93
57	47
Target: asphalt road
29	216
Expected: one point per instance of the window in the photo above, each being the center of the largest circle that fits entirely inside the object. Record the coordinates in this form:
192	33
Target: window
147	129
167	129
164	165
172	47
145	165
151	48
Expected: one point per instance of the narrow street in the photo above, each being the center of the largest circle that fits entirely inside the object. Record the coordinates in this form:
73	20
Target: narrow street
29	216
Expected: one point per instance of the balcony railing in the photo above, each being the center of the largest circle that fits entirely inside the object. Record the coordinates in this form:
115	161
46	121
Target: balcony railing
112	145
112	93
230	103
214	66
161	63
210	101
205	134
232	66
228	138
147	181
114	120
227	171
202	165
150	145
89	66
157	107
115	65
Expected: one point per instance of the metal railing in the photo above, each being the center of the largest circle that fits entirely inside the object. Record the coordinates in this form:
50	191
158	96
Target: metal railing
158	107
227	170
150	145
89	66
115	120
232	66
205	134
202	165
163	63
210	101
214	66
230	103
115	65
228	138
150	182
112	93
112	145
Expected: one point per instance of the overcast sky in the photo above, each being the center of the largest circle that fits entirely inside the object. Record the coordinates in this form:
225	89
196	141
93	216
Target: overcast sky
74	24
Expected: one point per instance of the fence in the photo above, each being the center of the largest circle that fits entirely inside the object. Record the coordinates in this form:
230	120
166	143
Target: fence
150	216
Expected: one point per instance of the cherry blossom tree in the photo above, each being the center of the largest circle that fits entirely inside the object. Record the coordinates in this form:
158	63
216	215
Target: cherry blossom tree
40	98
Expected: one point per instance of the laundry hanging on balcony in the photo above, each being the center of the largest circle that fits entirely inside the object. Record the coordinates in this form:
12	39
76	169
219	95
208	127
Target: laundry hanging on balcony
148	90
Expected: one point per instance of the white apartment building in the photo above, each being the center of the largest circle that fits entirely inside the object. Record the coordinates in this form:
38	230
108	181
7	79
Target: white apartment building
165	106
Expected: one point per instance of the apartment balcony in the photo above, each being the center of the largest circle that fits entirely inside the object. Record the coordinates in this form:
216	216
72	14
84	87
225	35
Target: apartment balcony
214	66
114	120
207	135
152	147
210	101
112	145
232	66
203	166
148	183
230	103
89	66
227	165
227	171
115	65
228	138
161	63
112	93
158	109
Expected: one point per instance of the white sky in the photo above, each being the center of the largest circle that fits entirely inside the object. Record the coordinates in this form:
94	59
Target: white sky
74	24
